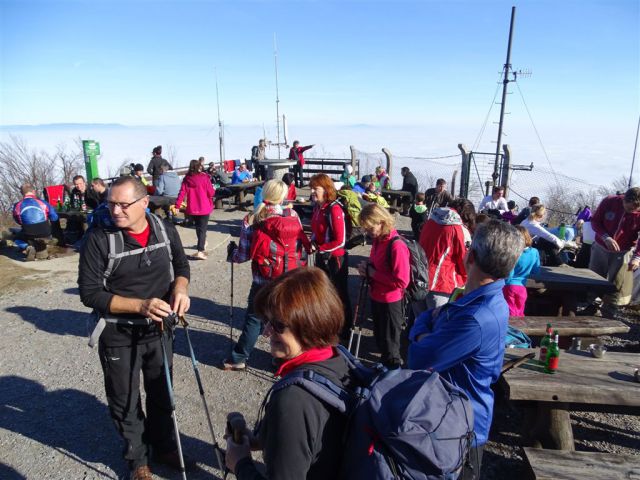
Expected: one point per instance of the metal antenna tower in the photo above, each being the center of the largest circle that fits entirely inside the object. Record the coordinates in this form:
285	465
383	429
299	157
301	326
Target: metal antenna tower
220	122
275	58
505	83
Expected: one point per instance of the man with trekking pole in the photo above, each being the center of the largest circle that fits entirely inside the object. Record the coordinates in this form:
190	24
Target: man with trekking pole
135	276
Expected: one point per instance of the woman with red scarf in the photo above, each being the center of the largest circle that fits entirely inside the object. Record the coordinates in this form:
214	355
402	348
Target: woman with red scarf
328	236
299	435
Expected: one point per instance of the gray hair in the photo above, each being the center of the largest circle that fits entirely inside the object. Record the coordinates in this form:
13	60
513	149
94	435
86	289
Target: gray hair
496	247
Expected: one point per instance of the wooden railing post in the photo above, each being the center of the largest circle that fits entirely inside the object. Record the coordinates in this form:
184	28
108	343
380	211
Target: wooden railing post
387	153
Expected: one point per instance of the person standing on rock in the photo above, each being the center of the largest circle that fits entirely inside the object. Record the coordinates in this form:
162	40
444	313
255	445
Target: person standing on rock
296	155
132	296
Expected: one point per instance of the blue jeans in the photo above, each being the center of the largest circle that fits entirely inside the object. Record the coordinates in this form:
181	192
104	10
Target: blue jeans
250	332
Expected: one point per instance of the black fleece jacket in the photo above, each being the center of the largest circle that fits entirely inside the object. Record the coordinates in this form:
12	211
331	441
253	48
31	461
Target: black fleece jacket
301	435
138	276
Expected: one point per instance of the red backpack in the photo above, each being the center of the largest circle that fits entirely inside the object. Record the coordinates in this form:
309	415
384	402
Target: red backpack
276	246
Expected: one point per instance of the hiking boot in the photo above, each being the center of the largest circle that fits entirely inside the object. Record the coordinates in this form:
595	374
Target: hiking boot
141	473
589	311
172	460
30	253
228	365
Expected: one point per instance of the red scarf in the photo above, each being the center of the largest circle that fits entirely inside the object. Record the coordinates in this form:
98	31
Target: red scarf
313	355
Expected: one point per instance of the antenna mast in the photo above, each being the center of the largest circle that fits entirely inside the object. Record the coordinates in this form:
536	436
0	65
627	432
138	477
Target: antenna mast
275	58
505	83
220	123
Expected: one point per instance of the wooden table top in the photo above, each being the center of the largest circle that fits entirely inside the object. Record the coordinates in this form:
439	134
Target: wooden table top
401	193
563	465
73	213
568	278
569	326
579	379
245	185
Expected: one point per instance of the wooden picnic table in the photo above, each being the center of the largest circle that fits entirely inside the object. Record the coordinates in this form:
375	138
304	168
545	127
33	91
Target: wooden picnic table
239	190
568	326
564	284
581	383
395	197
557	465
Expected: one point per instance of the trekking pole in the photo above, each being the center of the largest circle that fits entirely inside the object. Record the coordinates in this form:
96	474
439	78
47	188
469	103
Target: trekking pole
362	314
357	313
196	371
231	309
172	400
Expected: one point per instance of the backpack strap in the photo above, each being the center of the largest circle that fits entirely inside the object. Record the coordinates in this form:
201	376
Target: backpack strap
391	242
319	386
116	246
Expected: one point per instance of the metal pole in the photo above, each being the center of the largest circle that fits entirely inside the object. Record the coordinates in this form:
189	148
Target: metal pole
220	124
633	160
505	83
275	58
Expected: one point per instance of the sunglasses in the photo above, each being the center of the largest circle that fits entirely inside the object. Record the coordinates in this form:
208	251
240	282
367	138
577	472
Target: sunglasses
123	205
276	325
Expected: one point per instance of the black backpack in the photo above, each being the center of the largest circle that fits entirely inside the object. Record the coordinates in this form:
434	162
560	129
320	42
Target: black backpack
419	266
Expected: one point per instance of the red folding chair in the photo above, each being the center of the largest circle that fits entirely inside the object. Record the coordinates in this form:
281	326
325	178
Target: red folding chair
54	194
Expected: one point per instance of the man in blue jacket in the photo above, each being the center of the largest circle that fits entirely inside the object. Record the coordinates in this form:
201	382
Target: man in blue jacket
464	340
35	215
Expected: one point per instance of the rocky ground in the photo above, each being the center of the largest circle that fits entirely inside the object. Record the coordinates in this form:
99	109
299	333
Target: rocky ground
53	417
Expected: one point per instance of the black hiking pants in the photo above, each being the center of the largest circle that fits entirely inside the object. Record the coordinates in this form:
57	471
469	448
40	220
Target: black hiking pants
201	222
121	367
388	320
297	175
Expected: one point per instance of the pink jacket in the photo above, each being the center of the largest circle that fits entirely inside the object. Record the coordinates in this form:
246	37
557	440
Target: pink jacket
199	193
392	272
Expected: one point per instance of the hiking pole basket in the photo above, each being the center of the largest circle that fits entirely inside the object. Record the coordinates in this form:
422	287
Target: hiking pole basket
360	310
167	374
216	447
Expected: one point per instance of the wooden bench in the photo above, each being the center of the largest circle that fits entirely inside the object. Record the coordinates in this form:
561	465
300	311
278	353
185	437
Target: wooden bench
562	465
568	326
396	197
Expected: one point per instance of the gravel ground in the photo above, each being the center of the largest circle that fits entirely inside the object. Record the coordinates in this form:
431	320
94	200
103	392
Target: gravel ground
54	421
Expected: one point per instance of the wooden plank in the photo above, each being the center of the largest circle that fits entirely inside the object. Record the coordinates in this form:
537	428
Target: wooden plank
562	465
571	279
580	379
396	193
569	326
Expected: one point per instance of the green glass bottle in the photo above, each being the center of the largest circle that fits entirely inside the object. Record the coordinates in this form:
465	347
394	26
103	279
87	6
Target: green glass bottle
553	355
544	344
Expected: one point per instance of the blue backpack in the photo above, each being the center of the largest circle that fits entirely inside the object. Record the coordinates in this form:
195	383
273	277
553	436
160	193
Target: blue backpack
402	423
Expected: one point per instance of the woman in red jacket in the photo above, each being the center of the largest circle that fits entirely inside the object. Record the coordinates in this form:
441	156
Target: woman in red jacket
328	236
197	189
388	272
444	239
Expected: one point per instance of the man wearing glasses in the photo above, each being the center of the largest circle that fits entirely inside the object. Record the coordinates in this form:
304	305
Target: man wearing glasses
132	296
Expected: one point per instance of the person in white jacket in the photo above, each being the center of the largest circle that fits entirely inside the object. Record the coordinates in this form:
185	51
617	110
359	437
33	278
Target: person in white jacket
545	241
495	201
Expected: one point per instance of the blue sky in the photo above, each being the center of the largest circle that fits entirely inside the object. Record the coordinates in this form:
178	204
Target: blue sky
374	62
393	63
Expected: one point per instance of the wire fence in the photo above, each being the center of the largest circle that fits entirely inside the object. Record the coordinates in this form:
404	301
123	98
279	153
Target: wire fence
562	194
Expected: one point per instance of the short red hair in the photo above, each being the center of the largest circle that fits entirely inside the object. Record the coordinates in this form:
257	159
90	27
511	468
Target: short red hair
305	301
323	180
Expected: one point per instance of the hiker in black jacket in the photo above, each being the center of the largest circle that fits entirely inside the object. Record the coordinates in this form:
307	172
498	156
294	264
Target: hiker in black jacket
300	436
409	184
142	288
